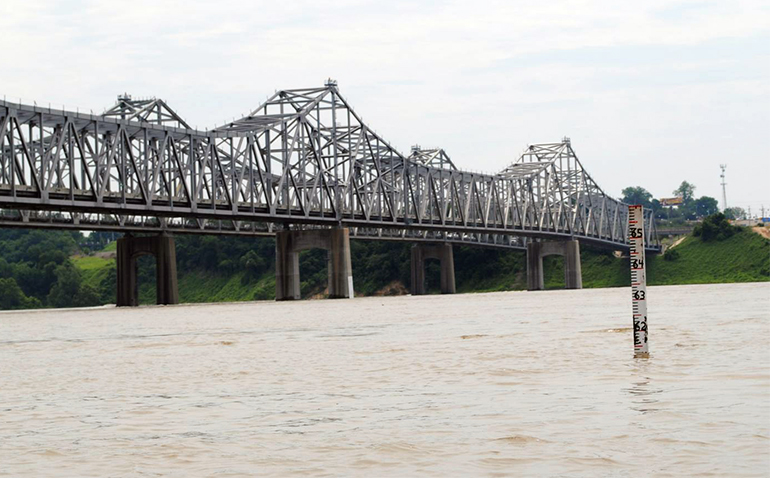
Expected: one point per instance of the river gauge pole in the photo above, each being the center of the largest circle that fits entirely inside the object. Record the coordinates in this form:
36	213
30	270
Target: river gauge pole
638	279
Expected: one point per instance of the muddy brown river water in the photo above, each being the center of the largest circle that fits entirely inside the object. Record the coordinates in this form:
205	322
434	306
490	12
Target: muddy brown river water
498	384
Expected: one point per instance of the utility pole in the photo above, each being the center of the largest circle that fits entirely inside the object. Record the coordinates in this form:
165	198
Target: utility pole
724	192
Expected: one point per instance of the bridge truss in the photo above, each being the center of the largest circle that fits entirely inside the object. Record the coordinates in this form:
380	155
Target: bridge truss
302	159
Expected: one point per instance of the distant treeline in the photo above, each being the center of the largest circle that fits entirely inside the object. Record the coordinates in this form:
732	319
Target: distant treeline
690	208
67	269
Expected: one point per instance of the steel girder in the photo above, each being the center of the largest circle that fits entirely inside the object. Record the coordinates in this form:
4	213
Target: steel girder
151	110
303	158
435	157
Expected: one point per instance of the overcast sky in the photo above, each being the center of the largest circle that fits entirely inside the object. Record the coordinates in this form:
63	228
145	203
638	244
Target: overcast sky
651	93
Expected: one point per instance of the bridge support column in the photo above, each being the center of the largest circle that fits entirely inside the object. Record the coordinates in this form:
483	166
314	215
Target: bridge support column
535	266
163	249
442	252
573	273
573	278
286	267
288	244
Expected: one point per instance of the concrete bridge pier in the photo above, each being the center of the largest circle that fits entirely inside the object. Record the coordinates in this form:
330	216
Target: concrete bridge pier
163	249
288	244
573	278
442	252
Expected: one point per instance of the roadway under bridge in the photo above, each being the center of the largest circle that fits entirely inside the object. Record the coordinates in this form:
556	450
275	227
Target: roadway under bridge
302	166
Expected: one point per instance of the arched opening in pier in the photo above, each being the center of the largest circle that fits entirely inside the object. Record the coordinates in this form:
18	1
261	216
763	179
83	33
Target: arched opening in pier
314	273
542	266
148	262
432	275
424	270
553	272
326	246
146	278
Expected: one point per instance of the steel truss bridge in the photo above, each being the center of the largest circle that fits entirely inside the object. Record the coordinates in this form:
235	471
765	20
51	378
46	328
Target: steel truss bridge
302	159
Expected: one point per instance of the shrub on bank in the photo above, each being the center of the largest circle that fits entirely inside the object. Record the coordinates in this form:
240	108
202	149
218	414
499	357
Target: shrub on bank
671	255
715	227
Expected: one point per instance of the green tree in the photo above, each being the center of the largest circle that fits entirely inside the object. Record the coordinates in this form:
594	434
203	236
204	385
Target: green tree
253	264
686	191
12	297
66	287
87	296
109	286
660	211
735	213
6	270
706	206
637	195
